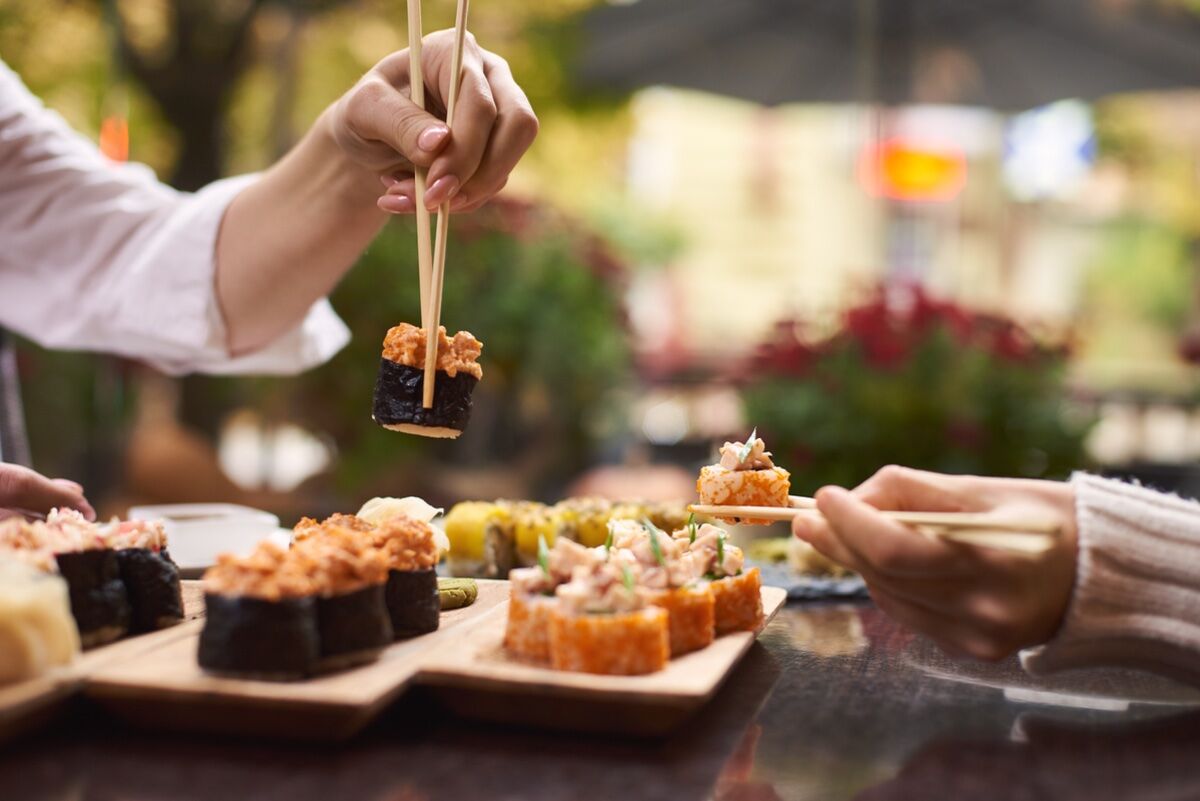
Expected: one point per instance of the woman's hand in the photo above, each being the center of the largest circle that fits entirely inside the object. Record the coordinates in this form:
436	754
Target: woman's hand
24	492
379	127
970	600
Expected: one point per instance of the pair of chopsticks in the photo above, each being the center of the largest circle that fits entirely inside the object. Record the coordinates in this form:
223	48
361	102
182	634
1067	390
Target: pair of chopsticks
1028	537
432	266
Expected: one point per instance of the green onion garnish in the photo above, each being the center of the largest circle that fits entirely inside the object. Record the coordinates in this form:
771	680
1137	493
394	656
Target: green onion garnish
654	545
691	524
543	554
744	453
608	541
720	549
627	577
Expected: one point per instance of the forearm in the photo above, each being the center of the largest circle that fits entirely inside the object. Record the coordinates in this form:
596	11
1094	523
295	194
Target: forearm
288	238
1137	587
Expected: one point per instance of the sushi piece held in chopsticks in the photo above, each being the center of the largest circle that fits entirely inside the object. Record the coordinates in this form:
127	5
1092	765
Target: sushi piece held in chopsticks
399	387
260	617
601	623
745	476
737	592
671	577
349	575
150	577
527	630
37	631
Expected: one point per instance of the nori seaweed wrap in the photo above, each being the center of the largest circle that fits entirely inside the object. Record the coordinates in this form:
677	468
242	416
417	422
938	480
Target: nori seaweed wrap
353	627
152	582
99	602
399	391
260	638
413	601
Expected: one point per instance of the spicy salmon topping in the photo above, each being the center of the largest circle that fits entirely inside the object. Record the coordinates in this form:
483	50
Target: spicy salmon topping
405	344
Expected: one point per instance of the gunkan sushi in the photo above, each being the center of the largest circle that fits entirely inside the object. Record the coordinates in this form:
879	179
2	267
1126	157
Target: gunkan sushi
89	565
411	552
399	387
150	577
745	476
37	631
349	576
737	593
260	616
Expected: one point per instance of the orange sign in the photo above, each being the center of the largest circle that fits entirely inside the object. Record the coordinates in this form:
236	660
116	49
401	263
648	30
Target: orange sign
902	171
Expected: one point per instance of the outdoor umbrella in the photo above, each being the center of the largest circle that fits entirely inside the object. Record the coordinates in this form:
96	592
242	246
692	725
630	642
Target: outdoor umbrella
1005	54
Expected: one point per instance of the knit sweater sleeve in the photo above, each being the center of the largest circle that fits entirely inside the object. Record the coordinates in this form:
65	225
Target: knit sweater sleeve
1136	601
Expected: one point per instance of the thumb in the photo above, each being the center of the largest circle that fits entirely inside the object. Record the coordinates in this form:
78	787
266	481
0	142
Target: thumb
22	488
377	111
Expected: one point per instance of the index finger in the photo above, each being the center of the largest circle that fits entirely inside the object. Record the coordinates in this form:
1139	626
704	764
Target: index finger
905	489
887	547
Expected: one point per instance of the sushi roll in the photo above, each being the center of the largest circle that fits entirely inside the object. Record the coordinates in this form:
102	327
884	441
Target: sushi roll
411	593
745	476
531	600
532	523
672	578
466	524
585	520
90	567
349	577
37	631
500	539
150	577
601	623
399	388
737	593
260	617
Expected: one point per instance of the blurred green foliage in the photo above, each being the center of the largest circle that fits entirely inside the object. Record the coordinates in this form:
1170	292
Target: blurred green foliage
915	381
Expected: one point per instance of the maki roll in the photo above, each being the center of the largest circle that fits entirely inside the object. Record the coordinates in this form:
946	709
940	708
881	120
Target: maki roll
737	593
260	617
37	631
151	579
531	600
399	387
349	575
745	476
99	601
466	524
671	577
602	624
500	540
411	593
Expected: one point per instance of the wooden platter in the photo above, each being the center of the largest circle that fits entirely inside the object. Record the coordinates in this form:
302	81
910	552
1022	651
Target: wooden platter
154	681
476	678
167	689
26	704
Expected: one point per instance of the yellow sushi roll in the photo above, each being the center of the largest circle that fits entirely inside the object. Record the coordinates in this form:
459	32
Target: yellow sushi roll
531	522
465	525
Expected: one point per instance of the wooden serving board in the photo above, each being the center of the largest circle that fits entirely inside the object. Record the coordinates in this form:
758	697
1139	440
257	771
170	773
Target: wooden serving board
167	689
463	662
476	678
26	704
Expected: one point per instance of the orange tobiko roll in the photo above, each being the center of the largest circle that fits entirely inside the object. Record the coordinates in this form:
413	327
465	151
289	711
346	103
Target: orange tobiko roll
745	476
625	644
738	602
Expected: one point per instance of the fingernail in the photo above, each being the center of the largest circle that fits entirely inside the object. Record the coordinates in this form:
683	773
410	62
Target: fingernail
432	138
397	204
388	180
441	190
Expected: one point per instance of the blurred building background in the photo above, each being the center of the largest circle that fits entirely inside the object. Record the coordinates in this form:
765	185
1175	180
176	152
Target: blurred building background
959	236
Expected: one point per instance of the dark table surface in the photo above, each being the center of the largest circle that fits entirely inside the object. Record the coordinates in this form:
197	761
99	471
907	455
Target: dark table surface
834	702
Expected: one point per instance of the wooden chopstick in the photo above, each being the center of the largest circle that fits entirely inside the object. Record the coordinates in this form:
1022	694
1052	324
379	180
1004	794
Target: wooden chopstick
417	90
961	520
1027	536
433	317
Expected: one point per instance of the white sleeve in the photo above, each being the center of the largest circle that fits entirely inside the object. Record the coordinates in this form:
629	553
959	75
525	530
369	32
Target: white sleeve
101	256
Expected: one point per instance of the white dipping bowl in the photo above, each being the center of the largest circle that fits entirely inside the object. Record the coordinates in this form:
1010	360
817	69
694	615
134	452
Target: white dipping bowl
197	532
